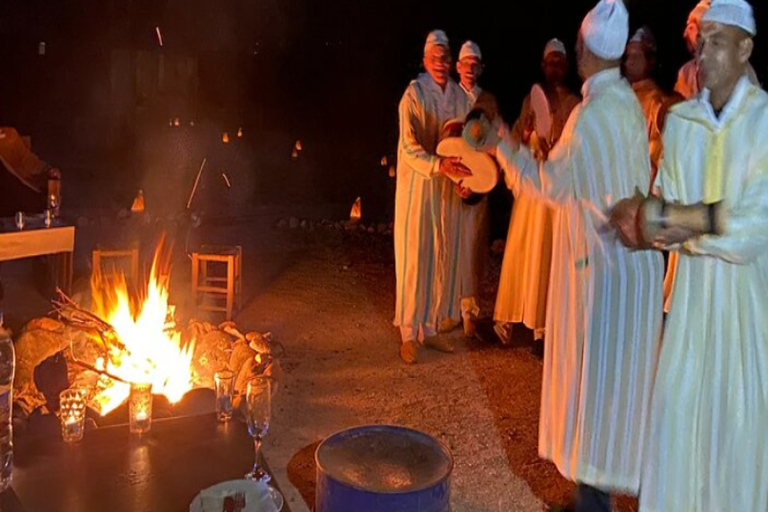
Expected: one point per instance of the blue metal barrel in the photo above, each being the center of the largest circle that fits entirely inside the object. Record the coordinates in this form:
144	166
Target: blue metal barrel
383	469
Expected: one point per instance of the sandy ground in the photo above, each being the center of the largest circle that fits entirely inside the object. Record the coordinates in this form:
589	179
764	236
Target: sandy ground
328	296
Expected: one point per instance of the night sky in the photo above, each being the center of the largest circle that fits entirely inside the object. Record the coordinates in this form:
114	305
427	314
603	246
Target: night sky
329	72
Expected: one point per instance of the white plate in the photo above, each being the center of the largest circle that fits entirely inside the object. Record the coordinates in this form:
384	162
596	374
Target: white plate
269	498
541	112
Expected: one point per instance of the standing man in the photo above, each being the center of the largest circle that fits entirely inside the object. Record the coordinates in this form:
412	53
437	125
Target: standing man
473	247
422	231
707	447
639	64
562	100
605	302
687	78
524	281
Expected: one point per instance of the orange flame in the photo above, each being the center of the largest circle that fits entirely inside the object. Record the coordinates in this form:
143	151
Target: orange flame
152	350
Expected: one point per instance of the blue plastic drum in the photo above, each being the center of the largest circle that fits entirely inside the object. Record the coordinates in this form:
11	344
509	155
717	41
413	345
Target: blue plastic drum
383	469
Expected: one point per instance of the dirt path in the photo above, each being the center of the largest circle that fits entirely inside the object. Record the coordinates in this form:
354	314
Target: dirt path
332	311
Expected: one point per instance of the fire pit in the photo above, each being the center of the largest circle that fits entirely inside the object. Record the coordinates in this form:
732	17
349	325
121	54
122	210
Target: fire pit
132	336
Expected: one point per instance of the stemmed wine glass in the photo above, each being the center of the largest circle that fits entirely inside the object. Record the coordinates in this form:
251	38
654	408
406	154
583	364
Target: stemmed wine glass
258	413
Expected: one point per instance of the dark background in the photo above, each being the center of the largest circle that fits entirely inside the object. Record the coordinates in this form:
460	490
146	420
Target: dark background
329	73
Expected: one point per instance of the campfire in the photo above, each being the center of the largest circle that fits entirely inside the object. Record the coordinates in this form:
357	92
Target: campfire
148	347
132	336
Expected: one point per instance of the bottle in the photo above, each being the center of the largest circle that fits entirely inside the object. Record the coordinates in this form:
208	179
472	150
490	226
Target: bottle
53	202
7	370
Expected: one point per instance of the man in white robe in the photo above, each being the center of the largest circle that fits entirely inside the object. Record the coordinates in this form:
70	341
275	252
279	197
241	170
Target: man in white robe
708	443
605	302
473	247
524	280
639	64
687	78
562	101
425	226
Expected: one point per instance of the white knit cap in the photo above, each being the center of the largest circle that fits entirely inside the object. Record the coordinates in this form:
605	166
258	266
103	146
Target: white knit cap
470	49
554	46
605	29
436	38
698	12
644	36
737	13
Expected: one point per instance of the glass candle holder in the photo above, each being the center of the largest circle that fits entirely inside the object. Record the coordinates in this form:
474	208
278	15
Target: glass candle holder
72	403
140	408
225	388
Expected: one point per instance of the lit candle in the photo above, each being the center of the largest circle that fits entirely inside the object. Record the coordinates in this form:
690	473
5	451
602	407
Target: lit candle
140	408
72	414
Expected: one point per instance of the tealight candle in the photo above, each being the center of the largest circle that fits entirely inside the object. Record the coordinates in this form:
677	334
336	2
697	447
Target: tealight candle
140	408
72	414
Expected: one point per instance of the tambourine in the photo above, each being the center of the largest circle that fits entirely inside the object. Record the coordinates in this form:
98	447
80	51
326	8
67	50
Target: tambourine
453	143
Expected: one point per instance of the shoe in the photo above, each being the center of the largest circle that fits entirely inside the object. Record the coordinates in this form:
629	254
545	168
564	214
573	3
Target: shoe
439	344
504	332
538	349
409	352
469	313
470	327
447	325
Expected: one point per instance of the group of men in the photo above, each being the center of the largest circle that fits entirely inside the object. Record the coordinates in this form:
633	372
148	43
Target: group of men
437	230
674	413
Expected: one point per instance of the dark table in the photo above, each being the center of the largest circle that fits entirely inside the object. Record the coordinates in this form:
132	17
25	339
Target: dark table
112	471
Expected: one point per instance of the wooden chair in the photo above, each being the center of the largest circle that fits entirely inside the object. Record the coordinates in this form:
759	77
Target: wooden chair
207	285
108	260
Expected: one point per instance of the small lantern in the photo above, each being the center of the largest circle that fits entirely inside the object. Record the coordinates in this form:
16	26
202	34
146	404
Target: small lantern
357	211
240	133
225	138
298	145
138	203
384	161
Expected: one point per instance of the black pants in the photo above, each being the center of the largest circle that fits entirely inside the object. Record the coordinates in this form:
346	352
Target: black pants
589	499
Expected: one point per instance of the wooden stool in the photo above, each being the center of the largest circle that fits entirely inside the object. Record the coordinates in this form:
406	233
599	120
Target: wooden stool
101	256
203	283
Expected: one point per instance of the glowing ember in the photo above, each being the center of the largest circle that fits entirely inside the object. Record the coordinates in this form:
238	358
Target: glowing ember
151	348
159	36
